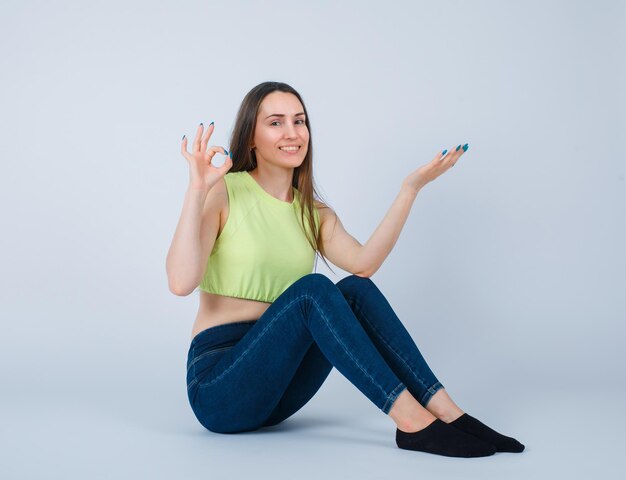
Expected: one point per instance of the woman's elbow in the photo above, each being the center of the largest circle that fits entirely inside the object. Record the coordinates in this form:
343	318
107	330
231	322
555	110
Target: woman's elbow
181	292
180	289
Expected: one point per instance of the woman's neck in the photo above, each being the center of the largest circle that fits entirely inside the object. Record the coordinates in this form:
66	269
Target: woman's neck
277	181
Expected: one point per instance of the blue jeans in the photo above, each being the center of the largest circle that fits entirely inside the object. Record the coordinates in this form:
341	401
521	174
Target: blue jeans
246	375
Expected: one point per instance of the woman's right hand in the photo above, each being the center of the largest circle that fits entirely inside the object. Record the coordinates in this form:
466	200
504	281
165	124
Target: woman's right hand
202	173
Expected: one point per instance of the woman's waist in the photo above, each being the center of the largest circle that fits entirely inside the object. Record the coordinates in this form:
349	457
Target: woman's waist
216	310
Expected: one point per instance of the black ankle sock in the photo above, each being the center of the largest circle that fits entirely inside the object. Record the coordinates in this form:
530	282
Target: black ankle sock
441	439
475	427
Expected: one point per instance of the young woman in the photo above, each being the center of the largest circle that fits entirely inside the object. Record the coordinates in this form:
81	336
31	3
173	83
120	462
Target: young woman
268	330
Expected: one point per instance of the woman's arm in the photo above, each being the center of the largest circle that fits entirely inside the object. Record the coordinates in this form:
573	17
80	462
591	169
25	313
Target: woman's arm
183	258
199	222
382	241
364	260
347	253
194	238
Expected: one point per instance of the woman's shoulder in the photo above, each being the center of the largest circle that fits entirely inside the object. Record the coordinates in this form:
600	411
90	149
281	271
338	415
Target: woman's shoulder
322	209
325	213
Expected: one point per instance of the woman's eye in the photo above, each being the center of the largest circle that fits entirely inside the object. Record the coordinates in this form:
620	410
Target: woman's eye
276	121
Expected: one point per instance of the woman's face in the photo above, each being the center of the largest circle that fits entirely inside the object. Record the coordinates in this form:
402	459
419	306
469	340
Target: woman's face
274	131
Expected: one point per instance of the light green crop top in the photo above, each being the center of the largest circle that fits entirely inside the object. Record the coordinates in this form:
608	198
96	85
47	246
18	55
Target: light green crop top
262	249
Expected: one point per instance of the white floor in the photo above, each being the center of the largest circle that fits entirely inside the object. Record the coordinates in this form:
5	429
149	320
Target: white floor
141	430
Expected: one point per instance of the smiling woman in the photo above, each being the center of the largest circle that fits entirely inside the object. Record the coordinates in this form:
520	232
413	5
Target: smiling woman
269	330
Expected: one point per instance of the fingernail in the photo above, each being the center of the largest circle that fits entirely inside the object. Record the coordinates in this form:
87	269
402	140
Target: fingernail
457	148
183	137
465	147
201	124
226	152
444	152
230	155
211	123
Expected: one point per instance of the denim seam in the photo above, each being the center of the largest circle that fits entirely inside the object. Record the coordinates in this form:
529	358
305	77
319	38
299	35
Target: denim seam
254	342
192	383
210	352
193	354
393	395
345	349
430	392
391	348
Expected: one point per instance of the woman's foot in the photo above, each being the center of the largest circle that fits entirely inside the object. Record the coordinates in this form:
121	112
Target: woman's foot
418	429
440	438
473	426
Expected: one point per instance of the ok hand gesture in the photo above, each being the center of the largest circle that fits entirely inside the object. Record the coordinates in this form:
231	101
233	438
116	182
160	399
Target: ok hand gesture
202	173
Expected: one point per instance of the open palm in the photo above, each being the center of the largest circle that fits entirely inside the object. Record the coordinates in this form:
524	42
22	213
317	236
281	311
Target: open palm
433	169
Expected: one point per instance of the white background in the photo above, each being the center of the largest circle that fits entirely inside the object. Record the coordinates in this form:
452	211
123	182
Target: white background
509	274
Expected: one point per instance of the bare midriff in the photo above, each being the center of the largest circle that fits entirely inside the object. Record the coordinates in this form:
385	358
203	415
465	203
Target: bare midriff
218	309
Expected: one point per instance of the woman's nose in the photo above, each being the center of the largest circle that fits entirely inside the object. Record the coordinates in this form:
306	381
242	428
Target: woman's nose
290	130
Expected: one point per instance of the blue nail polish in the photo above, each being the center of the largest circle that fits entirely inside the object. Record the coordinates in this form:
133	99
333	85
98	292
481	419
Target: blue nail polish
211	123
443	153
457	148
465	147
226	152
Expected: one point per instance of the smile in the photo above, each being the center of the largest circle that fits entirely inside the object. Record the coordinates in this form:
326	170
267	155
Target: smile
289	149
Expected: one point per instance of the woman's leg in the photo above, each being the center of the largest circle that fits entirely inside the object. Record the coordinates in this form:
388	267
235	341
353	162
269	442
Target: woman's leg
240	392
234	386
396	346
311	374
362	294
398	349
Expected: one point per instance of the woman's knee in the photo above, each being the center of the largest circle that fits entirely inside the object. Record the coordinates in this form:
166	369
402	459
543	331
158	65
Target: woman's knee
353	284
316	280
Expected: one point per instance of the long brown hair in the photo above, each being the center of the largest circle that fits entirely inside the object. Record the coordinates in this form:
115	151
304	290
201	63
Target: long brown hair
244	158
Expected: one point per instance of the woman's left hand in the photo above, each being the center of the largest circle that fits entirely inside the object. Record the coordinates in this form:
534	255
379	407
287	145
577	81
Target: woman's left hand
437	166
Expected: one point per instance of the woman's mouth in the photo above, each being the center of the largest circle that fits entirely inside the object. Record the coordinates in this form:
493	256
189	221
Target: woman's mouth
290	150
